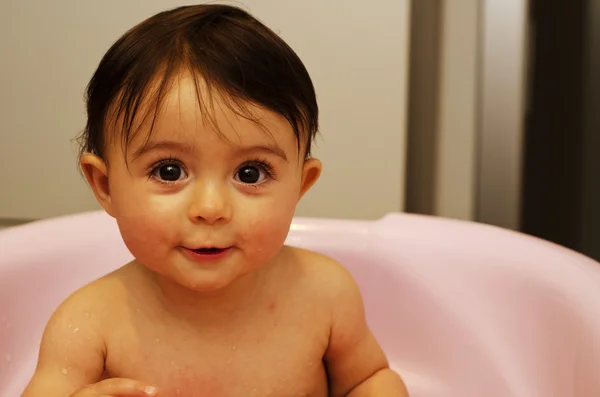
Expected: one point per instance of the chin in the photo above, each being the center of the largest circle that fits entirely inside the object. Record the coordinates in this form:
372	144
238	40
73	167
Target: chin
206	284
206	287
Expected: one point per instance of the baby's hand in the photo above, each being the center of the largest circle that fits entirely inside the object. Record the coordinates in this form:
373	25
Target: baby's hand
117	387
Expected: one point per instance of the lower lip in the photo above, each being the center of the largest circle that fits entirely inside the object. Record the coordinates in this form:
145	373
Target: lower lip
206	256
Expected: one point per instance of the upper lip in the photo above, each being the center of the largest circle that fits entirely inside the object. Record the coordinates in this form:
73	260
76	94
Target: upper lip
207	246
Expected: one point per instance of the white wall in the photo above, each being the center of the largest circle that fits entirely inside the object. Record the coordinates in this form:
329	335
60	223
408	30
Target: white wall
458	92
505	35
467	112
356	54
444	108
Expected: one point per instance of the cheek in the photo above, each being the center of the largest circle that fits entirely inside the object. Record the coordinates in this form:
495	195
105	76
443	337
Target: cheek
147	223
265	229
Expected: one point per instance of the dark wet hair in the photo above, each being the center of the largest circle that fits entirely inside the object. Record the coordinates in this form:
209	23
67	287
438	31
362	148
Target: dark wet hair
229	51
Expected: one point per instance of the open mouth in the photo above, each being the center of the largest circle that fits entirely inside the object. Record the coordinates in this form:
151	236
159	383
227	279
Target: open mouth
209	251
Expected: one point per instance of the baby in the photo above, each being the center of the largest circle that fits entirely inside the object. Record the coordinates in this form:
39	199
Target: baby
200	122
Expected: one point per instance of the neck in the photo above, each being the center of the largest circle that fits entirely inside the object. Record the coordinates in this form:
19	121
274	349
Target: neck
209	307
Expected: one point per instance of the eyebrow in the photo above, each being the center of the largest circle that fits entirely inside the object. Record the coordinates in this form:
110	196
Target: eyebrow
273	149
177	146
165	145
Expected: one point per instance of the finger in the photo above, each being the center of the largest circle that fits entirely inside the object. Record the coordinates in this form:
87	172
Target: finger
118	387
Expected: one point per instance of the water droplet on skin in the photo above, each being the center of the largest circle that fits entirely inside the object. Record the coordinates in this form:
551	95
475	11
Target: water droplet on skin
8	357
75	330
228	362
70	326
233	347
178	392
157	340
64	371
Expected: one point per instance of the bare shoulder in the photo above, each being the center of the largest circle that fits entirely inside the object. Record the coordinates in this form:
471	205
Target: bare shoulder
73	348
356	364
80	318
326	276
90	300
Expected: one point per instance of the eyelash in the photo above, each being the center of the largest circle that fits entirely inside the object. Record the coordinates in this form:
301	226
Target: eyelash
159	163
263	164
258	162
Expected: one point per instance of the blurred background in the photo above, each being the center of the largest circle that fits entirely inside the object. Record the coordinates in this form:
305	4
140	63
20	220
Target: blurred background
482	110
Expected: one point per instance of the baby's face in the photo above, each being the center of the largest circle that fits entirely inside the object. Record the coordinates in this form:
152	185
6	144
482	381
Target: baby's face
204	208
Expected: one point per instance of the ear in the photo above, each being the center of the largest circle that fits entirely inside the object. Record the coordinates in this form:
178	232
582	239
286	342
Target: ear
96	174
310	174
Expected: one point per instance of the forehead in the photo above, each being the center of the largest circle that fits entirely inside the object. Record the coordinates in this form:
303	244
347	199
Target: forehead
194	114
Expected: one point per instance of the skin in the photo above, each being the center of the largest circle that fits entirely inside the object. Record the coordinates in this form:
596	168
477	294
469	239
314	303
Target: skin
264	319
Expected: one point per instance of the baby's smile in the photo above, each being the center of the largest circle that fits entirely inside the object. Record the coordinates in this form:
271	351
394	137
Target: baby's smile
209	253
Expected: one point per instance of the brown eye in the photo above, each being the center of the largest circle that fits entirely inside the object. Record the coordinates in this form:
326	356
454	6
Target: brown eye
169	173
250	175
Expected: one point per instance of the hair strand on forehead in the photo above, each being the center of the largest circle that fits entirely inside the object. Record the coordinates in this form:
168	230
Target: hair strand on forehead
229	54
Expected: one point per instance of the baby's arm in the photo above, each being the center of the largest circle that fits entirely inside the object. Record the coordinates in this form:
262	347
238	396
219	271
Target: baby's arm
356	365
71	358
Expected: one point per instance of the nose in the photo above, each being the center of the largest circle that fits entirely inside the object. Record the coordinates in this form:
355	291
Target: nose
209	203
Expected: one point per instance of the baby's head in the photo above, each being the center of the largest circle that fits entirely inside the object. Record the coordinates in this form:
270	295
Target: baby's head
200	123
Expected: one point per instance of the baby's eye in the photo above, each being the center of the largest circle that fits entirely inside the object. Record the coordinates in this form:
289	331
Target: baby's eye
169	173
251	175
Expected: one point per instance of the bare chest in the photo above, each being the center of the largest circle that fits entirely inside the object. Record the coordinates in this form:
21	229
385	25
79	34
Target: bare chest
283	359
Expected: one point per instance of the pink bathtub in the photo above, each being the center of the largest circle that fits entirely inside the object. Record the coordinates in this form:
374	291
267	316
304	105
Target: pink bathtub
462	309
